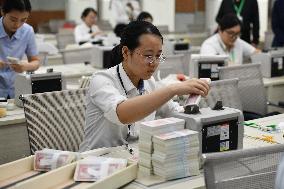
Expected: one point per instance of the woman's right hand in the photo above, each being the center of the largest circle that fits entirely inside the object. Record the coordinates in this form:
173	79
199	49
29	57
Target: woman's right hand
191	86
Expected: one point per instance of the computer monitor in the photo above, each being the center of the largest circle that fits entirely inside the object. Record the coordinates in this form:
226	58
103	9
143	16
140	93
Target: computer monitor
272	62
206	66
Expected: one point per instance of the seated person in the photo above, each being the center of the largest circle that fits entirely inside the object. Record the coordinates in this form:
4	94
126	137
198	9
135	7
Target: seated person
120	97
17	40
227	41
119	29
88	30
145	16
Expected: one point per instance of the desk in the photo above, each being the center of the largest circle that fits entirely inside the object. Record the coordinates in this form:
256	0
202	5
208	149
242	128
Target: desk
275	91
197	182
71	72
14	142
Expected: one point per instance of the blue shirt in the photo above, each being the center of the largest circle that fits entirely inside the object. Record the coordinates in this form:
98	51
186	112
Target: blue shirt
20	44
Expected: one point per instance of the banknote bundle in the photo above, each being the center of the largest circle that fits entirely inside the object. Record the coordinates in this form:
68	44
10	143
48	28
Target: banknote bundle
176	154
48	159
95	168
147	130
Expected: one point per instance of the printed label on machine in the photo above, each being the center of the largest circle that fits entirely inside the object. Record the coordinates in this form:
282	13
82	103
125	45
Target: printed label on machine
213	131
225	135
224	146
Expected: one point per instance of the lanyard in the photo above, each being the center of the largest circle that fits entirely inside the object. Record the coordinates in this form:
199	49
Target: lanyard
141	90
231	52
240	8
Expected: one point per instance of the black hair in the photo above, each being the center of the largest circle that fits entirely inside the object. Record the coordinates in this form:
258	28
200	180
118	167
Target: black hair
130	38
229	21
87	11
119	29
19	5
144	15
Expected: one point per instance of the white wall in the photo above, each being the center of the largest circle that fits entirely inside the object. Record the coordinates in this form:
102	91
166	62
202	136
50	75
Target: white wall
212	7
74	8
163	12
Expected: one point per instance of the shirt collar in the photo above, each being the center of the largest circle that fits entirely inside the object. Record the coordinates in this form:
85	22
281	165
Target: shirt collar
128	83
221	43
3	32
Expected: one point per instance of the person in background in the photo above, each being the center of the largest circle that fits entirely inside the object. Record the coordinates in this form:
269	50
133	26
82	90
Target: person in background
145	16
88	30
17	39
120	97
124	11
227	41
119	29
277	22
248	13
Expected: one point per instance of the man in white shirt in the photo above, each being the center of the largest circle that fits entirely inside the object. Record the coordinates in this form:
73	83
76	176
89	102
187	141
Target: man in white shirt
88	30
227	41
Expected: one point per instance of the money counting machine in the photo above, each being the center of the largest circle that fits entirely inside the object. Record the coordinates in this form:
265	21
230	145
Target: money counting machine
206	66
219	130
103	56
272	62
30	83
175	46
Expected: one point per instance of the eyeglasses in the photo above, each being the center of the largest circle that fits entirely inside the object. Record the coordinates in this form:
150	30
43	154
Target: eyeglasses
149	59
232	34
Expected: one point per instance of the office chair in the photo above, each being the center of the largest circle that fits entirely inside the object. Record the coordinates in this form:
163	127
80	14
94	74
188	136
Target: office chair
65	38
251	89
55	119
252	168
84	82
225	91
174	64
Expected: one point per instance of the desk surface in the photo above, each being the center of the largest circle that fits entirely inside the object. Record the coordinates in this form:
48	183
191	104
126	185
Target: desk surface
273	81
198	181
13	117
71	70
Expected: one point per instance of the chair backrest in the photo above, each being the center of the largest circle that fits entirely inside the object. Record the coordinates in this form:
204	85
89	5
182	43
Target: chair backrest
174	64
252	168
85	81
55	119
251	87
64	39
224	90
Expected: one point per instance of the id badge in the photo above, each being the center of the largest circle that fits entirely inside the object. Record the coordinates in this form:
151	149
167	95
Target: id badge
240	17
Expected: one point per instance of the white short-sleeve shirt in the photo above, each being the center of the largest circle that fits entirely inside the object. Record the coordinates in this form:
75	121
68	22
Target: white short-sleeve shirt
103	128
214	45
82	34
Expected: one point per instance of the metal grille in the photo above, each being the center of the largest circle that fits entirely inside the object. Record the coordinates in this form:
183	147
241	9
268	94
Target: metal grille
251	87
249	168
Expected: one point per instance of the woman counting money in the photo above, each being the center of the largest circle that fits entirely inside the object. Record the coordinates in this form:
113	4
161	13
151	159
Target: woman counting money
125	94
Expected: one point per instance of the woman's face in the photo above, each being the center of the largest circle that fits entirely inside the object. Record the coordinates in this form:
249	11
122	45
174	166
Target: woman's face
144	60
14	20
230	35
91	19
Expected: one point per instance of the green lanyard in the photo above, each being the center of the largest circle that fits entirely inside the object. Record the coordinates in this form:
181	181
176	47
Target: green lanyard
240	8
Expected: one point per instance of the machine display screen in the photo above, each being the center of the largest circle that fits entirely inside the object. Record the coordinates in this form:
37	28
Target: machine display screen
210	70
220	136
277	67
47	85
